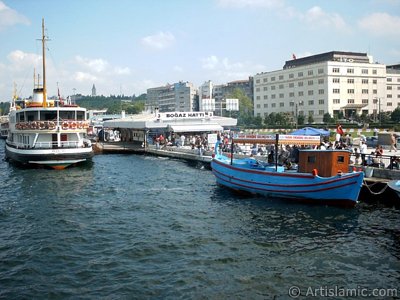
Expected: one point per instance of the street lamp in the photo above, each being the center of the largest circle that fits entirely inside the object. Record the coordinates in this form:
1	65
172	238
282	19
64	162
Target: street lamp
297	116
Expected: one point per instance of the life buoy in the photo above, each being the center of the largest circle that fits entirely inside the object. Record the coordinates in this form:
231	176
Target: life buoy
52	125
42	125
64	125
72	125
85	125
33	125
315	172
79	124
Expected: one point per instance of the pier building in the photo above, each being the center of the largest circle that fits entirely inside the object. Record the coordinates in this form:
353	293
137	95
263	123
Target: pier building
331	82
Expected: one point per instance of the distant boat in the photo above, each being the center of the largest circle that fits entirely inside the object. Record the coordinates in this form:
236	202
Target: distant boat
46	132
322	175
395	186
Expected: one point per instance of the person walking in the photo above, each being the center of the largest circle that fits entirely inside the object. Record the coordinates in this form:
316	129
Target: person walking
339	132
363	152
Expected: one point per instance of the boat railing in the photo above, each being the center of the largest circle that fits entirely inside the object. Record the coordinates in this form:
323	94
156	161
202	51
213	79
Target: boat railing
55	145
52	125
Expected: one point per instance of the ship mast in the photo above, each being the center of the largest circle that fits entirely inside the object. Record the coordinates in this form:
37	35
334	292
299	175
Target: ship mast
44	66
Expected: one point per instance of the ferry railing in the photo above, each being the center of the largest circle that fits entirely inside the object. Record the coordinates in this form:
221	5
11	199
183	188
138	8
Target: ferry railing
51	125
54	145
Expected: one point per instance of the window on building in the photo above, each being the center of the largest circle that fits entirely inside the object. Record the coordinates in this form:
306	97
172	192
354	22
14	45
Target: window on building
281	96
273	88
320	71
350	91
350	80
321	81
321	112
300	83
374	92
374	71
300	74
335	70
365	101
281	86
257	80
310	93
291	85
364	71
310	102
389	104
257	89
336	101
281	104
364	91
301	93
310	82
336	91
389	87
273	105
273	78
389	96
265	88
291	75
291	94
336	80
310	72
350	101
265	97
265	105
350	71
321	91
280	77
258	106
321	101
265	79
389	79
364	81
273	96
291	104
374	81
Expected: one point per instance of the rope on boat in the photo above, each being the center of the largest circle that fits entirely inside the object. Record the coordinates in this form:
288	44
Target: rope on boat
371	185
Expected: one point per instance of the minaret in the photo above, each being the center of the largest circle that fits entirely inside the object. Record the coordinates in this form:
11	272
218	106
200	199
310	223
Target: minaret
93	91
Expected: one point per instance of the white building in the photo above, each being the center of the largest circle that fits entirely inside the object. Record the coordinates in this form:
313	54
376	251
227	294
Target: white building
327	83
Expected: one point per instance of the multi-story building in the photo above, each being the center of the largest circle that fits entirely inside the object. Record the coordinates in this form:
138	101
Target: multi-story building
223	91
330	82
181	96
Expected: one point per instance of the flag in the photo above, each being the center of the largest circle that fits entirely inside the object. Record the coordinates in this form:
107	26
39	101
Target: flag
294	56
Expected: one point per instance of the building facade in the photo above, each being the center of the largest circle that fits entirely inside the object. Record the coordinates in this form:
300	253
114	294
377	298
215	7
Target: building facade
330	82
181	96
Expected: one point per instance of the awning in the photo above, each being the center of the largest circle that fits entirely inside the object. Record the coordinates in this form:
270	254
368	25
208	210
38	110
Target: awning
354	106
283	139
196	128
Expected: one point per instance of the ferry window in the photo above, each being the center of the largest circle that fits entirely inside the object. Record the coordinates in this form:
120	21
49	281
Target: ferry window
67	115
20	117
340	159
30	116
311	159
80	115
48	115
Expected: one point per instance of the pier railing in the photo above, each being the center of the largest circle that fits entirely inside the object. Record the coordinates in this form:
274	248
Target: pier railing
391	162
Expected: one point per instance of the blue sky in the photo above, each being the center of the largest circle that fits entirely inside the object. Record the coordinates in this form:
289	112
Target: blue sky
127	46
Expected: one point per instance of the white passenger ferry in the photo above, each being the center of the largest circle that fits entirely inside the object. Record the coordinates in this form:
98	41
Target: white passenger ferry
46	132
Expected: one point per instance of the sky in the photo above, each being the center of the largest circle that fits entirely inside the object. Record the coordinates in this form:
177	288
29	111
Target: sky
125	47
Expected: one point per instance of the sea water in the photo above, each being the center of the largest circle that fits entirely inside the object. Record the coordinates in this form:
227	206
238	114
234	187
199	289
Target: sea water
137	227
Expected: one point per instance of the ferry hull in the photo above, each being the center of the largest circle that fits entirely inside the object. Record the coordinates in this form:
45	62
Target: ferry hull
53	158
336	190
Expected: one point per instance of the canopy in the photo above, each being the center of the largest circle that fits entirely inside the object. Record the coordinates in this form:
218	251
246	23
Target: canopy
197	128
282	139
311	131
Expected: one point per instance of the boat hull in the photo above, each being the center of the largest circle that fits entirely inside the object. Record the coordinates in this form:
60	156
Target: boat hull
53	158
337	190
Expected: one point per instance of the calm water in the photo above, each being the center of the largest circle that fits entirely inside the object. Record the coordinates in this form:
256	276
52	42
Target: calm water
138	227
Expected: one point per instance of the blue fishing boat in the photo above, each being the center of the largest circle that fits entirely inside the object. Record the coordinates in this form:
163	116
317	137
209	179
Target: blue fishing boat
322	176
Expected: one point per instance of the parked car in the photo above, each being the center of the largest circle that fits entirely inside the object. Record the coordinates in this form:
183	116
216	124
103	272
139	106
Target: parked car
372	141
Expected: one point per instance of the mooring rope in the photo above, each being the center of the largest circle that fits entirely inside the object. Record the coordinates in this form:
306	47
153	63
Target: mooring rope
371	185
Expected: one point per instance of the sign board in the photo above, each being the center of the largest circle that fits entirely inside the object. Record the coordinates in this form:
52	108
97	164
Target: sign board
207	104
232	104
185	115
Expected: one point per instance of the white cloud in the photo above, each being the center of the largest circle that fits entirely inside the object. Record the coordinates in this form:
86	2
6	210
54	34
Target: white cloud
97	65
381	24
84	77
122	71
159	41
10	17
20	60
210	62
317	17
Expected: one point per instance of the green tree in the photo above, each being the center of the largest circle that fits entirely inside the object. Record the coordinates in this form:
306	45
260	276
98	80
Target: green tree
245	113
395	115
327	118
300	120
310	119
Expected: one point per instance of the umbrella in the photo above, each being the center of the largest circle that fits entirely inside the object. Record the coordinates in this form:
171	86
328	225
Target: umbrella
311	131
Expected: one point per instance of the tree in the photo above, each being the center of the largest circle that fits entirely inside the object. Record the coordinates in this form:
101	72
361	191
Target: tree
310	119
300	120
395	115
327	118
245	114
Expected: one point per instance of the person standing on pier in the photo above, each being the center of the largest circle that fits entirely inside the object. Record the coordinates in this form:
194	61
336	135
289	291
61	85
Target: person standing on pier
339	132
363	152
392	143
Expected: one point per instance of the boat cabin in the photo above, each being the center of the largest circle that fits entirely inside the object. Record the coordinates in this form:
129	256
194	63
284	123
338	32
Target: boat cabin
326	163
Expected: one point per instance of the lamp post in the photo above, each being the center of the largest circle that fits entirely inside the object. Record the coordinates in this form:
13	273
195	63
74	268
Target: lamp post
297	116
